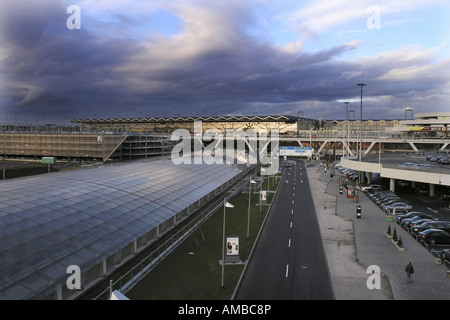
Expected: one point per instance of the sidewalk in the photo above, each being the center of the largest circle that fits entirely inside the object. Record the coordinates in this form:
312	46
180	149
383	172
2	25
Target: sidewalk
354	244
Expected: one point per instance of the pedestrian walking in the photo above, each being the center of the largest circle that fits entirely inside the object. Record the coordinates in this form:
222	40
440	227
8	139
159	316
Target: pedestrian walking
409	271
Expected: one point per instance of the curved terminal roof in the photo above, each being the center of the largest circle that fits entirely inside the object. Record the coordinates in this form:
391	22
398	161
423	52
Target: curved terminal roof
81	217
254	118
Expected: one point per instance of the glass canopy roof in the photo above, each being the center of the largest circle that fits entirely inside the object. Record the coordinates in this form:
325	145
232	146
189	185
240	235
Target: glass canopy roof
81	217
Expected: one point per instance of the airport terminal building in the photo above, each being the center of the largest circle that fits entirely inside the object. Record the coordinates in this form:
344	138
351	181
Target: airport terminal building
101	217
104	139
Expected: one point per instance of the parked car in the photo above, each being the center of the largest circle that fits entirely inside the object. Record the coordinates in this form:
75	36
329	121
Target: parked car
384	194
442	195
422	190
371	187
353	176
389	201
443	161
379	193
398	207
420	221
435	236
407	222
408	165
431	224
446	254
431	158
400	217
402	183
383	205
384	197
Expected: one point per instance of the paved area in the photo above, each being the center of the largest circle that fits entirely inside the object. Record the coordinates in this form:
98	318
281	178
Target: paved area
353	244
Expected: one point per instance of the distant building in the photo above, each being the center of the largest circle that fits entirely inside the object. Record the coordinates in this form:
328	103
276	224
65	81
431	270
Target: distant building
136	138
427	125
284	124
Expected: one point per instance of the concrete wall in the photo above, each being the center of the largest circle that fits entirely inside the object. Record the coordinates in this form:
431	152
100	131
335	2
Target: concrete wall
398	174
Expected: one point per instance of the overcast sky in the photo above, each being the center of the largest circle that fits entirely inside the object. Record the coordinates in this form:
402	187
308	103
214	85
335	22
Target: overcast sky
136	58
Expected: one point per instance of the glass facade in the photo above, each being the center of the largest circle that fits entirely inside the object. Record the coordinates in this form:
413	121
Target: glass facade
82	217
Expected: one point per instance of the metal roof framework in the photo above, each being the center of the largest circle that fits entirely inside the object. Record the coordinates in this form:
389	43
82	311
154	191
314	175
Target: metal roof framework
255	118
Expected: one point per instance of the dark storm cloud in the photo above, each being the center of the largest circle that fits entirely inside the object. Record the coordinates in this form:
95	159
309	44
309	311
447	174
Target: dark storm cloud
212	66
49	69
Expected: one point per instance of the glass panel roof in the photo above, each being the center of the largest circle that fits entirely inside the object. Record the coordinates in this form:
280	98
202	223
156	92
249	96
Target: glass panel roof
81	217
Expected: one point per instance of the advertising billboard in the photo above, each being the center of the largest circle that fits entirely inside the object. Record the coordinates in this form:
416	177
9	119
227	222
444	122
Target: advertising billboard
232	246
296	151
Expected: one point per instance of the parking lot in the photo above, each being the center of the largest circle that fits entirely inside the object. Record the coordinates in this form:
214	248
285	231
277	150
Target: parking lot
428	162
371	247
411	208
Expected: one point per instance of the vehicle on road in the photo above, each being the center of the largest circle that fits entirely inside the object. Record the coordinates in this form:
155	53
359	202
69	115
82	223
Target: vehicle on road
435	236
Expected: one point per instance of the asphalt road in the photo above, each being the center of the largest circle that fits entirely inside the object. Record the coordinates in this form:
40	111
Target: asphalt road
289	260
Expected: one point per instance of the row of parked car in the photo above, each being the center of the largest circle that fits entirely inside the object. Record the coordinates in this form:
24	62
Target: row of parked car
438	159
422	226
387	200
349	173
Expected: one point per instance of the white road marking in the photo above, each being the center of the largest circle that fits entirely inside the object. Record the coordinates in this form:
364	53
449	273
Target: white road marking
287	270
289	244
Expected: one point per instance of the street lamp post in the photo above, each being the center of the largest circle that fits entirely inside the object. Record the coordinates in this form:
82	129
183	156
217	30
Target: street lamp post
360	128
346	123
249	197
225	205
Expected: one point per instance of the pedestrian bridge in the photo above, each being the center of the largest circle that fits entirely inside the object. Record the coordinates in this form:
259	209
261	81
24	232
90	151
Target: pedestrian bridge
340	144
